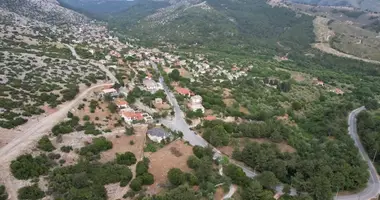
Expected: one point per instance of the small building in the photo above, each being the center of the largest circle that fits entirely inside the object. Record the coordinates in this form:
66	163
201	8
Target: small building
157	134
183	91
121	103
130	116
210	118
150	84
109	91
197	99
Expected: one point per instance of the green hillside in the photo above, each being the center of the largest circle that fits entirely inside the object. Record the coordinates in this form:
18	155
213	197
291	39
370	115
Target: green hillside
239	27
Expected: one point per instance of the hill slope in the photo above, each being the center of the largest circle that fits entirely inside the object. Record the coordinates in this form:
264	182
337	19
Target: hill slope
242	25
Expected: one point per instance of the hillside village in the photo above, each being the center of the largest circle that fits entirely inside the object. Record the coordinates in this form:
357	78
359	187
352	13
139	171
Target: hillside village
85	114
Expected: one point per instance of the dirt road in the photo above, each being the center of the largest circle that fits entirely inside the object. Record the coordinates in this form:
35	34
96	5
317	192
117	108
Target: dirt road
25	141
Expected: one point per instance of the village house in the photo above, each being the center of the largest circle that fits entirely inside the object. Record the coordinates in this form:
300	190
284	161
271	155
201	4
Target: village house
210	118
130	116
121	103
196	103
150	84
110	91
157	134
183	91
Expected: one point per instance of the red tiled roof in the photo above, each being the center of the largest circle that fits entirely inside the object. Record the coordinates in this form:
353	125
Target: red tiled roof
210	118
133	115
121	102
183	91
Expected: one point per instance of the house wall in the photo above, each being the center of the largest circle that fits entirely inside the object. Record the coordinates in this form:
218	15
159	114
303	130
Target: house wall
155	138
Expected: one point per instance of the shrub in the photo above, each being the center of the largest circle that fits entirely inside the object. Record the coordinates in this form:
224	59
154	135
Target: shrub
141	168
147	179
98	145
176	176
193	162
30	193
127	158
86	118
25	166
136	184
3	193
45	144
66	149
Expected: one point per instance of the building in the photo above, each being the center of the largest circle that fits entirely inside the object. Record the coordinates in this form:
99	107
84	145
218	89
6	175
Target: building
196	103
157	134
150	84
183	91
210	118
130	116
197	99
121	103
110	91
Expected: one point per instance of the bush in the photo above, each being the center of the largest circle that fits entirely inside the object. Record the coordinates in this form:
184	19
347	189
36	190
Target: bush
45	144
147	179
86	118
98	145
200	152
150	148
127	158
176	176
66	149
141	168
30	193
3	193
193	162
136	184
25	166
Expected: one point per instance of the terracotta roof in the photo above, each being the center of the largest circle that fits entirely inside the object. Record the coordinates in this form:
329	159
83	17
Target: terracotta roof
210	118
133	115
183	91
121	102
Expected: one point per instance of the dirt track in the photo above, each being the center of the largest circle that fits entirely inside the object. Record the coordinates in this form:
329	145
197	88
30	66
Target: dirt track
26	140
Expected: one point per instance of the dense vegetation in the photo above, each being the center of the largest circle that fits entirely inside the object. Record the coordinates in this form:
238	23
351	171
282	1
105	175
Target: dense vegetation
86	180
30	193
3	193
26	166
368	125
45	144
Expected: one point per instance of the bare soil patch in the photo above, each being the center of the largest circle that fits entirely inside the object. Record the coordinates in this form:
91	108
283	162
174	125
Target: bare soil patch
173	155
219	193
226	93
121	144
229	102
243	110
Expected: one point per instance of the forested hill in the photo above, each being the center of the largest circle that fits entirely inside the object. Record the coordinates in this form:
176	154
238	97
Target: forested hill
231	26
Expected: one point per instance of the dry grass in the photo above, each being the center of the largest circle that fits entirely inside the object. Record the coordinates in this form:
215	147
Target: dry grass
229	102
173	155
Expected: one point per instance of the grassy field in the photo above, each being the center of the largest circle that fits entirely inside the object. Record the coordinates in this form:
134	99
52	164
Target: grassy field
356	41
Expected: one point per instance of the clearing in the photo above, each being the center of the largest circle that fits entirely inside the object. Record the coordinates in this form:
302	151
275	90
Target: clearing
173	155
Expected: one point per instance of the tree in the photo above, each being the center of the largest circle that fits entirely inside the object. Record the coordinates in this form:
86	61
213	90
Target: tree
45	144
25	166
112	107
286	189
129	131
147	179
141	168
136	184
268	179
3	193
201	152
176	176
30	193
175	75
193	162
127	158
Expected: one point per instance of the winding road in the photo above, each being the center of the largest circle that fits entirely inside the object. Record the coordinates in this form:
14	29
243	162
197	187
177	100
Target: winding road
373	186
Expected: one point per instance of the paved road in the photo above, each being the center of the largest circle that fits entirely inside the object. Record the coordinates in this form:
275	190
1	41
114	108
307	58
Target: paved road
178	123
231	192
25	141
373	187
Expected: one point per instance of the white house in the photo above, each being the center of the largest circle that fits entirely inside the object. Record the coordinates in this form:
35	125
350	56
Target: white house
111	91
196	103
150	84
157	134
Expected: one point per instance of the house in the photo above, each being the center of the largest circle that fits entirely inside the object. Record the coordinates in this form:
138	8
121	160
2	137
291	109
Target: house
210	118
110	91
150	84
320	83
197	99
121	103
157	134
196	103
183	91
338	91
130	116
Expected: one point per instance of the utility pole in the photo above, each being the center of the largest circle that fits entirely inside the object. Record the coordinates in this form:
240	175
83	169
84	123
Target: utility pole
373	160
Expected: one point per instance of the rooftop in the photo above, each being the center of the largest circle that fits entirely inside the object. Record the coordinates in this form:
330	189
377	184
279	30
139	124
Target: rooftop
158	132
